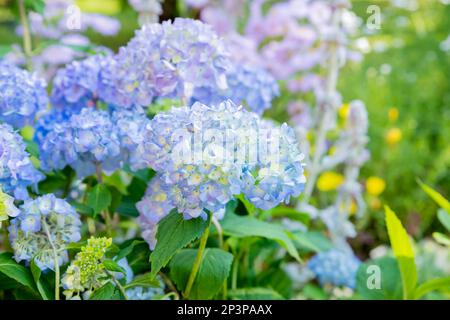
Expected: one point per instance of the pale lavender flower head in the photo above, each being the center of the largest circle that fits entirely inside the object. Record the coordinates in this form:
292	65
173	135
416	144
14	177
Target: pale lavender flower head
82	142
16	169
249	86
22	95
44	224
165	60
76	85
335	267
203	158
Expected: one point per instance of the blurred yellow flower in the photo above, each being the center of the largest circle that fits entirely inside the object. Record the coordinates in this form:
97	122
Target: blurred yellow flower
375	186
344	110
329	180
375	203
393	136
393	114
353	208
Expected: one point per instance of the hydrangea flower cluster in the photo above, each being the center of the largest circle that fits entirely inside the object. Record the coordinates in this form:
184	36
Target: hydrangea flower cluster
16	169
42	230
146	293
22	95
76	85
165	60
199	171
251	86
335	267
130	126
92	137
84	141
86	272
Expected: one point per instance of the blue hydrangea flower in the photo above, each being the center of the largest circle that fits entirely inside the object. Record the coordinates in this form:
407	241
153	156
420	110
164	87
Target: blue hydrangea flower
76	85
47	121
146	293
22	95
44	224
250	86
204	156
82	142
153	208
165	60
16	170
280	175
130	125
335	267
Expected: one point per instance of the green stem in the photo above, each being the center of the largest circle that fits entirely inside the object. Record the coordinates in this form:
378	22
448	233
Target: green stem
68	185
26	34
198	260
117	283
219	231
55	260
105	213
171	286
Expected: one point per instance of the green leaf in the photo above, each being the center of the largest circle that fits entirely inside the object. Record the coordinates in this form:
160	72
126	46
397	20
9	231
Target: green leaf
16	271
127	207
4	50
379	279
444	218
312	241
276	279
287	212
128	249
99	198
174	233
400	243
144	280
437	197
113	266
438	284
25	293
247	226
250	207
403	251
32	148
117	181
315	292
136	189
213	271
7	283
35	5
82	209
254	294
106	292
42	286
52	183
441	238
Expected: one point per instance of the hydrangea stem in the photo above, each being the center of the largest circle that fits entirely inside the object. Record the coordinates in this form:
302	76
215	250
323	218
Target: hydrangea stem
55	259
105	213
198	260
216	224
26	34
118	285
